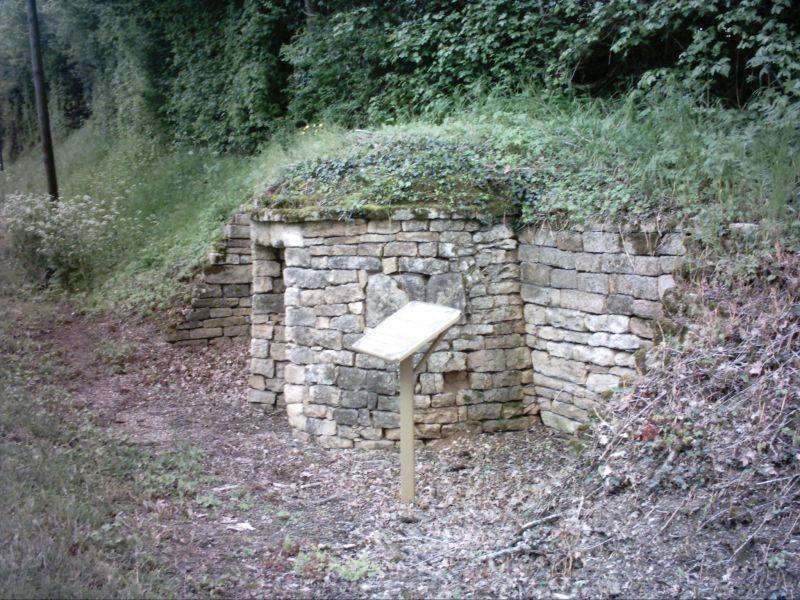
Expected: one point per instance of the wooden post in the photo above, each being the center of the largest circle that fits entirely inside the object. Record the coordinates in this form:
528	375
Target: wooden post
407	377
41	101
398	337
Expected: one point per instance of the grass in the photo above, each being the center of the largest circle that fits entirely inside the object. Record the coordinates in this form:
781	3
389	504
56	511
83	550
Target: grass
552	157
72	497
180	197
539	156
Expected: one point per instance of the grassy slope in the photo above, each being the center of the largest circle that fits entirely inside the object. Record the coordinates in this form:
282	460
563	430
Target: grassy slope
179	196
575	158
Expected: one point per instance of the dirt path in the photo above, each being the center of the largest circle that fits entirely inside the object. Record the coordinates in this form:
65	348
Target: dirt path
324	522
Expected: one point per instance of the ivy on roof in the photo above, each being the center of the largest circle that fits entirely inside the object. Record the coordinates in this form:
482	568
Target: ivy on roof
385	172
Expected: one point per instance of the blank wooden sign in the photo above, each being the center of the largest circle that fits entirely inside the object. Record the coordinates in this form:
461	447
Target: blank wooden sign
404	332
398	337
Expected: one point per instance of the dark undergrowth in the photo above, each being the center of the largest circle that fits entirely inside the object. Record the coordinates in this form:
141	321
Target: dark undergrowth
695	470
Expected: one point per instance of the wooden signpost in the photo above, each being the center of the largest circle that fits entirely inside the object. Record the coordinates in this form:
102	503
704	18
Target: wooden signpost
398	337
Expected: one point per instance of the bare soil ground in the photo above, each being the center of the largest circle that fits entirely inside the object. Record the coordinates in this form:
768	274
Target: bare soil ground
324	522
527	514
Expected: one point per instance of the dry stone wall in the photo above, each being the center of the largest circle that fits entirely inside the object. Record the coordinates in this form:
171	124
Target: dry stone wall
220	305
553	319
591	296
341	277
268	358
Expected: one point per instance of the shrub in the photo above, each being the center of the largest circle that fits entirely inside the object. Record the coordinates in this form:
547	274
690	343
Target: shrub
65	236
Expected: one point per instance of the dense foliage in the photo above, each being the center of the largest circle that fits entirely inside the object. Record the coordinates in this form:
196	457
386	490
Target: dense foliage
228	73
540	109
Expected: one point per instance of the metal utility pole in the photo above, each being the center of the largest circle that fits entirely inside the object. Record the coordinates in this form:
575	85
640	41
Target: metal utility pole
41	101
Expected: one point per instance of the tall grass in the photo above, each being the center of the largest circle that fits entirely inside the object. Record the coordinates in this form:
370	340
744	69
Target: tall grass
636	154
586	158
180	197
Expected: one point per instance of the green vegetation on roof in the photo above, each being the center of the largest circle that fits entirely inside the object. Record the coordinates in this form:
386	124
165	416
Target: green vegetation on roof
543	157
384	171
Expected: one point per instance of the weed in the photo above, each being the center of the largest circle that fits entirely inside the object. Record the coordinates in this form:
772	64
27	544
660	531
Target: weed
116	354
354	569
312	565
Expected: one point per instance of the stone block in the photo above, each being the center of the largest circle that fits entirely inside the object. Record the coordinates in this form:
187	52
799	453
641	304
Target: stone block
535	273
543	296
425	266
439	362
446	289
266	268
610	323
330	310
618	341
518	424
295	374
592	282
390	265
555	421
261	397
385	419
267	303
337	442
672	244
357	398
297	257
564	278
642	327
543	236
517	358
229	274
205	332
324	374
595	241
665	283
299	315
484	361
561	368
601	382
305	278
352	378
340	276
616	263
383	297
647	309
209	291
400	249
637	286
587	262
307	336
236	290
370	249
382	382
647	265
346	416
344	294
262	366
367	263
583	301
437	415
481	412
569	240
620	305
565	318
322	427
596	355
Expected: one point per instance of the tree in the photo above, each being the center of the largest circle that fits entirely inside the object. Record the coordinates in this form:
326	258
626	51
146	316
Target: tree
41	101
